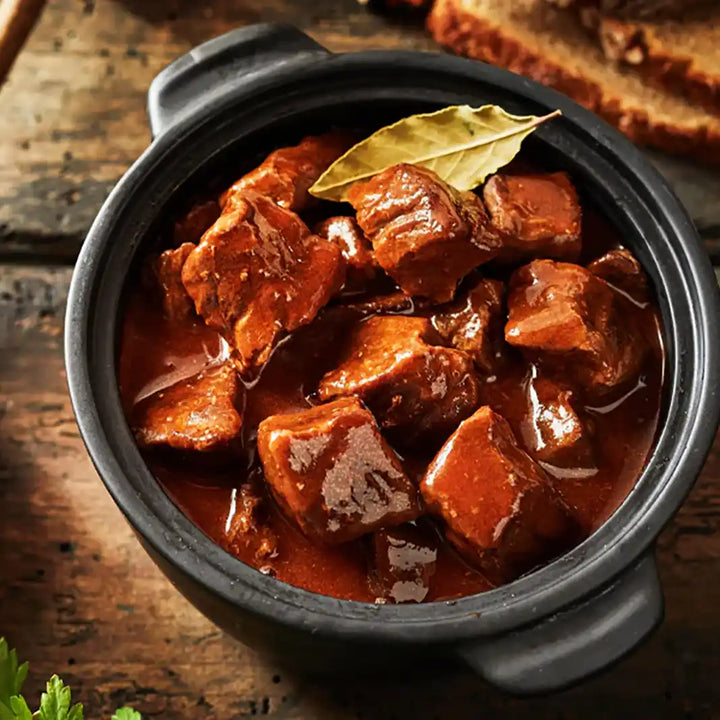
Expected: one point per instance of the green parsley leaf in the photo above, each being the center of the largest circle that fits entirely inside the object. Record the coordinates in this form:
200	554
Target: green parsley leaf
16	709
127	713
20	709
76	712
55	703
12	675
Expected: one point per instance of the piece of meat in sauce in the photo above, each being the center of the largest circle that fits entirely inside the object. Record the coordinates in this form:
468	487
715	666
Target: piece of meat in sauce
393	303
474	324
403	561
538	216
413	385
498	505
356	249
333	473
425	234
248	534
552	430
568	317
287	174
191	226
258	274
622	270
199	413
177	304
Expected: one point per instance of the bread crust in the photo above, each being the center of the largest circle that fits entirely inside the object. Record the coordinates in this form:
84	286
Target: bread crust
640	9
475	37
634	44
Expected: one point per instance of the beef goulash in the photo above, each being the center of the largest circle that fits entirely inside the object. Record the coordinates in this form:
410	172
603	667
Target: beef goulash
423	396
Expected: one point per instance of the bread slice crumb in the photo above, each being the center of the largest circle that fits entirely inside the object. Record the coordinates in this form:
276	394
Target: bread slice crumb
680	57
549	45
641	9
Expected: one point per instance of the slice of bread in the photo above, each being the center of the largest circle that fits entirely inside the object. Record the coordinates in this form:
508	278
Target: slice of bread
680	56
640	9
533	38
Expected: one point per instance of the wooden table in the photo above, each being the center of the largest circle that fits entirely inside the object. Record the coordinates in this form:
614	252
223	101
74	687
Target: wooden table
78	595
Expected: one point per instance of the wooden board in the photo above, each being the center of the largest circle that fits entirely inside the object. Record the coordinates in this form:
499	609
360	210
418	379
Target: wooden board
79	596
64	145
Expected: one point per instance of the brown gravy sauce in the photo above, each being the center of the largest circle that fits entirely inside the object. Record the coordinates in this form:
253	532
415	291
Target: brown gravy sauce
155	353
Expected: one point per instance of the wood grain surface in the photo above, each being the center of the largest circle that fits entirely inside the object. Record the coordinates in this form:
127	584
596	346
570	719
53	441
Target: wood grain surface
72	117
78	595
17	19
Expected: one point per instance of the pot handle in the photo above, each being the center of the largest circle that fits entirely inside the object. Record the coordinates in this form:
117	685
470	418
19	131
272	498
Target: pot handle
575	643
209	70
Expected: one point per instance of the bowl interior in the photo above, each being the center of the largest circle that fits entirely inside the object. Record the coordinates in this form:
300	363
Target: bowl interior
219	143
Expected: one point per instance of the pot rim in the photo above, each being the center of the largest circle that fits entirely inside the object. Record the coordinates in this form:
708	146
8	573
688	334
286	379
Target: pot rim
591	565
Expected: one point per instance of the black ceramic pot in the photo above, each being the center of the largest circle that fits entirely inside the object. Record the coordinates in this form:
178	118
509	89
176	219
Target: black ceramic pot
216	111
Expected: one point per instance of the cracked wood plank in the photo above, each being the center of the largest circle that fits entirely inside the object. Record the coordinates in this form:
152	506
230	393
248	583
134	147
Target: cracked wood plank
79	596
64	145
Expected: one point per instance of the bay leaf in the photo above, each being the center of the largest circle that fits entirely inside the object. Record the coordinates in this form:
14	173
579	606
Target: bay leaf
463	145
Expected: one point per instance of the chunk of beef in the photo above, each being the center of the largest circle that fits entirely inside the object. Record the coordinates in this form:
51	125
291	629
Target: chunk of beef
499	507
621	269
199	413
356	249
393	303
403	563
191	226
552	429
168	270
287	174
412	386
425	234
568	316
333	473
474	324
258	274
538	215
248	534
411	5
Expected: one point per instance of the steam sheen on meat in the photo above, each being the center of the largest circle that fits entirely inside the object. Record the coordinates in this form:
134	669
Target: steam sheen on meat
413	386
247	529
537	215
499	507
259	273
568	317
196	414
357	251
403	563
425	234
287	174
399	339
474	324
621	269
552	429
333	473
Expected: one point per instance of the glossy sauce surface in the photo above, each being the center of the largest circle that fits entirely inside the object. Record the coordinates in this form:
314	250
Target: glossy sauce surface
156	353
205	494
